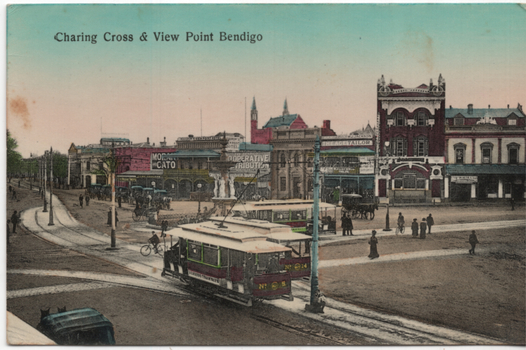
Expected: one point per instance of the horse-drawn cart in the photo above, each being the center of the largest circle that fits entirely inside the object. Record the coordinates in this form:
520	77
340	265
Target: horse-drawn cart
353	204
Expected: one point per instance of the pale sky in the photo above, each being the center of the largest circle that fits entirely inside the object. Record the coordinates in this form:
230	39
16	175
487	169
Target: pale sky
325	59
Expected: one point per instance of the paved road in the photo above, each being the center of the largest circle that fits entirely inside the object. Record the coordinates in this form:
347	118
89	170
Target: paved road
371	325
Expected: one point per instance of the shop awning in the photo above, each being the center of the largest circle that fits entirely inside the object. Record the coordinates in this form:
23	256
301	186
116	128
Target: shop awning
485	169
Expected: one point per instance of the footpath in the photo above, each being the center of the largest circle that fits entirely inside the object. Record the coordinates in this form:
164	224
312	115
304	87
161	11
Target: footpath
387	329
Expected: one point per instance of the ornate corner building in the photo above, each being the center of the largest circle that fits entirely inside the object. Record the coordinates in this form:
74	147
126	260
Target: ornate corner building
410	145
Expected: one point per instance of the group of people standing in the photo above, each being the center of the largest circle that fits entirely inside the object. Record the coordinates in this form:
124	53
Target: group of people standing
425	225
81	200
346	225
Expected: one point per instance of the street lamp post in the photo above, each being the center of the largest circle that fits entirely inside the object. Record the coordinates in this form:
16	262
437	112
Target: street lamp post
199	198
31	172
45	181
51	223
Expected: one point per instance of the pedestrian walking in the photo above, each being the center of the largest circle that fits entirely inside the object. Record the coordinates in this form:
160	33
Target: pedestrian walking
414	228
116	218
109	217
430	222
164	228
423	227
14	220
373	242
81	200
512	200
119	200
10	189
87	200
473	241
400	223
349	225
18	183
14	196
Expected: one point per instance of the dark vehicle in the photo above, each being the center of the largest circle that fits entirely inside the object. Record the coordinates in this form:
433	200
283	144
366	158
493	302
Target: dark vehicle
353	204
94	190
78	327
161	199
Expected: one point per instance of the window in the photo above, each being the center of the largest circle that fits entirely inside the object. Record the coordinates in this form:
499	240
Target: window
513	153
283	183
421	119
88	165
512	121
399	145
486	149
211	254
296	160
420	146
400	119
282	160
194	250
458	121
460	151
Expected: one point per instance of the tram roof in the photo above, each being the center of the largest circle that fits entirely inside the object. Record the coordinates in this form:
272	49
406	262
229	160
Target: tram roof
281	204
275	232
228	237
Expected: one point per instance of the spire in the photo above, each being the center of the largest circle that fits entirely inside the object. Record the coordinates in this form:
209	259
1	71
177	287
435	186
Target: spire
254	110
285	108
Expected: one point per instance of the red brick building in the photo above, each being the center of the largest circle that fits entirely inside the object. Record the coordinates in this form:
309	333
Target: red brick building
411	142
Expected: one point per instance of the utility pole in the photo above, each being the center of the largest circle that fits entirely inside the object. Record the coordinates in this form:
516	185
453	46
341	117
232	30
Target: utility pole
313	307
51	223
112	166
45	182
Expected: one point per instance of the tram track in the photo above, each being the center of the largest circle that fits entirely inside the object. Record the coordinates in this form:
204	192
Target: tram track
351	321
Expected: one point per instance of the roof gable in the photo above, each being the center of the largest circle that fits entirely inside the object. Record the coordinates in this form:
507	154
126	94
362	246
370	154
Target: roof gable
283	120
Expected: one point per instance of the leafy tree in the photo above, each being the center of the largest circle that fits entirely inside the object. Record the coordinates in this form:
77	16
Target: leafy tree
14	159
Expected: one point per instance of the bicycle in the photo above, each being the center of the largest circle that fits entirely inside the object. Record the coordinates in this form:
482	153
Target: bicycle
147	249
400	228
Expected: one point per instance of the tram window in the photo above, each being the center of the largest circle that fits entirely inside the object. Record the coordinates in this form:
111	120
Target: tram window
281	215
265	215
236	258
194	251
299	215
211	254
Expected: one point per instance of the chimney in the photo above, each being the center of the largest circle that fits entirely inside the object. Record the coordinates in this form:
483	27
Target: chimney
470	108
489	106
326	124
508	106
148	140
450	107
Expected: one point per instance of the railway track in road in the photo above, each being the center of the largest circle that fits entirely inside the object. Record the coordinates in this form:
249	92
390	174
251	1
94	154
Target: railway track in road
351	324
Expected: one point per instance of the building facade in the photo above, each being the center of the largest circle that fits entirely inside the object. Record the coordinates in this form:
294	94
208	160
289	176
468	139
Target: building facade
485	157
347	162
410	142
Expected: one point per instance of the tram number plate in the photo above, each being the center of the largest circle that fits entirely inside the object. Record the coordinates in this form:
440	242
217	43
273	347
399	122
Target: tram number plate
296	267
272	285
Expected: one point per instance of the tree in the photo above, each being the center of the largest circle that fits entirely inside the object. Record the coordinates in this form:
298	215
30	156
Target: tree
14	159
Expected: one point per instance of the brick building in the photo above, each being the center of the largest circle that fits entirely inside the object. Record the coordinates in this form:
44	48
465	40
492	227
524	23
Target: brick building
411	142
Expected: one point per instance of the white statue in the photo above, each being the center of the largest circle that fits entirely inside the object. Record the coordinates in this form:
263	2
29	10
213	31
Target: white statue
216	183
222	188
231	179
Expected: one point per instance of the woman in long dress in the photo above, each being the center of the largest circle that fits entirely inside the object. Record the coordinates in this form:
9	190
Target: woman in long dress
373	242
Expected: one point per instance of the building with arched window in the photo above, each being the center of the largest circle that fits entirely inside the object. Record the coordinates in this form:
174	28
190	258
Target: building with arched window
410	143
485	153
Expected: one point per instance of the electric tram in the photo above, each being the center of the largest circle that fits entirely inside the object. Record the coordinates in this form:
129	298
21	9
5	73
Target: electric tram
231	260
294	213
